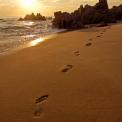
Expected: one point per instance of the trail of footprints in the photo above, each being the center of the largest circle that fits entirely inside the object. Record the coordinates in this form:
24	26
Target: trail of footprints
42	99
68	67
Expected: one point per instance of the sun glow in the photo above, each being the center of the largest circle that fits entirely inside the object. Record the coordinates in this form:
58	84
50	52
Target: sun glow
29	4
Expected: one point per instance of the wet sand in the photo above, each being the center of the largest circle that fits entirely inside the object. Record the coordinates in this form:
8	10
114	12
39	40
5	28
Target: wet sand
74	76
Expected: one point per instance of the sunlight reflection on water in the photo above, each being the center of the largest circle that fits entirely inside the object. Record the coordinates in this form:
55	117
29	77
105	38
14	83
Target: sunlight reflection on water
28	23
40	40
36	41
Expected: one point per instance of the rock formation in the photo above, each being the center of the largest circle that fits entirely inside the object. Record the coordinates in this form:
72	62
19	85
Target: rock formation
116	12
33	17
100	13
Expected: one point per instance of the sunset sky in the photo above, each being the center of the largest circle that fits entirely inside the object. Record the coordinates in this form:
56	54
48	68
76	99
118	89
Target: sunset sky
45	7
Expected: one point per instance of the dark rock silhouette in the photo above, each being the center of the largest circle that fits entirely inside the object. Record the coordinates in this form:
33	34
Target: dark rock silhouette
100	13
67	20
33	17
102	5
116	12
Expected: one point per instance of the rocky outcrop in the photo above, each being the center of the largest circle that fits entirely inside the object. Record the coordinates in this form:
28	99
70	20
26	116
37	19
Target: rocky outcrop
33	17
66	20
100	13
116	12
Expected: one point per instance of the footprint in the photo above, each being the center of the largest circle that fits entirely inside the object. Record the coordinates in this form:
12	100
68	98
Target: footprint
98	36
41	99
101	33
77	53
38	113
39	110
67	68
88	44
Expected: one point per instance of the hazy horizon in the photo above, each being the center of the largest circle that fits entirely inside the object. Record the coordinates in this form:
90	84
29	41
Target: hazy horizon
45	7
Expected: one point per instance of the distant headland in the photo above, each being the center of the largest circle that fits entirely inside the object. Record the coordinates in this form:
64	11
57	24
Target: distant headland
33	17
99	13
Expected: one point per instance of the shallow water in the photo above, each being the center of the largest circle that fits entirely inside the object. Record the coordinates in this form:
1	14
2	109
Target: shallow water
14	34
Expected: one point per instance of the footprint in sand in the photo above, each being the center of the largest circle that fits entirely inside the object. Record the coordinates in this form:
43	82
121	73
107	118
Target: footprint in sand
66	68
39	112
101	33
41	99
88	44
77	53
98	36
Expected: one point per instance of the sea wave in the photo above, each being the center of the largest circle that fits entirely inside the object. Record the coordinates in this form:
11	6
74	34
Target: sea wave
15	33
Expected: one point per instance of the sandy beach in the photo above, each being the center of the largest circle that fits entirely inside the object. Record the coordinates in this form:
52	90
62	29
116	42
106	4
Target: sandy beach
73	77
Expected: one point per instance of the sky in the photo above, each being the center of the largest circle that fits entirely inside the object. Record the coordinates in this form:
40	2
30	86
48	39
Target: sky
45	7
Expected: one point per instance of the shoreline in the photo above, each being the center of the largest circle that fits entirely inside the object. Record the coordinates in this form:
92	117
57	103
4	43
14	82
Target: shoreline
48	37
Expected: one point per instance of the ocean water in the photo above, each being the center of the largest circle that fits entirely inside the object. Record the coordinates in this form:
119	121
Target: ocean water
14	33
